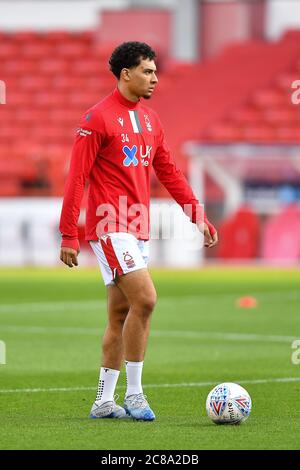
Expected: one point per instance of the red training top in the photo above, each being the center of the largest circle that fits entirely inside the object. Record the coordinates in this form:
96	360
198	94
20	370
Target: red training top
117	143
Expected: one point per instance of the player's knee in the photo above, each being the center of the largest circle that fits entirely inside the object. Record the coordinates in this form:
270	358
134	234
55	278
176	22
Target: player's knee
122	310
118	321
146	303
119	312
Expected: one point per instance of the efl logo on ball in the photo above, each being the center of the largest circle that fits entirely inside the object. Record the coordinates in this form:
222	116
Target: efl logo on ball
228	403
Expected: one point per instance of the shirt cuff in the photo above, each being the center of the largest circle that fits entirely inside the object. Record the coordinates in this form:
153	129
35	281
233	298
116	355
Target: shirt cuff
70	243
211	228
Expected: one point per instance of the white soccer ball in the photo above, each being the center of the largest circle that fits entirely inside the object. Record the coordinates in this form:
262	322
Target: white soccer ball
228	403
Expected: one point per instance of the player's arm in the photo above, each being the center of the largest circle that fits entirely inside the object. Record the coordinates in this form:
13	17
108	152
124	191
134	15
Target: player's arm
84	152
175	182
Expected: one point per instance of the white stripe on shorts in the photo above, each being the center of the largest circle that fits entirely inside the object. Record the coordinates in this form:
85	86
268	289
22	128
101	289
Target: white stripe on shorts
121	253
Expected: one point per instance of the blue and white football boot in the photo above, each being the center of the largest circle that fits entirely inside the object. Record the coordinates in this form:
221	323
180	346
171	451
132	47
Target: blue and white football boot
108	409
138	408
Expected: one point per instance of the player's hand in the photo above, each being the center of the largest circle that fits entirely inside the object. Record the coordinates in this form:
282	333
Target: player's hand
209	240
69	256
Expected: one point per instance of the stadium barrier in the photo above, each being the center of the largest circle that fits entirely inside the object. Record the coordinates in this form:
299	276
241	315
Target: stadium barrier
29	234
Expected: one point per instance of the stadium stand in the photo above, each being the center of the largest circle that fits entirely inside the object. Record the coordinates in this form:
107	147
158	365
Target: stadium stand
244	94
51	79
266	113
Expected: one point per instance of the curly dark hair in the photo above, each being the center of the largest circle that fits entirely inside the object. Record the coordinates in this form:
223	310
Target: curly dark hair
128	55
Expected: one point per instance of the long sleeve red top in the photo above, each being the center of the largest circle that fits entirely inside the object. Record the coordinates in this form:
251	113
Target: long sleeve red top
117	143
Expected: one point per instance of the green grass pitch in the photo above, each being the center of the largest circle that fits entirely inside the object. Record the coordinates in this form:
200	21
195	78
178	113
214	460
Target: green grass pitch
52	320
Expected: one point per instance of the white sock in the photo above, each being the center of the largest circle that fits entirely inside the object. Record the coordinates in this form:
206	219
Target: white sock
134	378
107	384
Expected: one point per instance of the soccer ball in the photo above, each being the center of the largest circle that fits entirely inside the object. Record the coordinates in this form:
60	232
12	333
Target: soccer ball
228	403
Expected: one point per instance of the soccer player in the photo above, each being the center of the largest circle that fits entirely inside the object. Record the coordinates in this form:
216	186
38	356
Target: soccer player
118	141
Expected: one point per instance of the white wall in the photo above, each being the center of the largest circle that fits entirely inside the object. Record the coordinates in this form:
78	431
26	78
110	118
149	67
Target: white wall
185	30
282	15
53	14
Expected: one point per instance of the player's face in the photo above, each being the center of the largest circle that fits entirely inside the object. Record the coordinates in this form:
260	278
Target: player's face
143	79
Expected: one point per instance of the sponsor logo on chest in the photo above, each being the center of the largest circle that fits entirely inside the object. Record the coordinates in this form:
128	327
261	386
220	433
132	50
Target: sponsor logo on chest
132	154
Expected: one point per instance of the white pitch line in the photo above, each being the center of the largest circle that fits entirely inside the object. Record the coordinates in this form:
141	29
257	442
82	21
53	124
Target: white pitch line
50	330
214	335
37	307
224	336
184	384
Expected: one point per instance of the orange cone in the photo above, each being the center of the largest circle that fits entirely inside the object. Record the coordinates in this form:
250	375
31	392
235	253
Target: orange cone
246	302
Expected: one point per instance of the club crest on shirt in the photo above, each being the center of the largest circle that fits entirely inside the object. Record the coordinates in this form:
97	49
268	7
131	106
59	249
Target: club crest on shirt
121	121
147	122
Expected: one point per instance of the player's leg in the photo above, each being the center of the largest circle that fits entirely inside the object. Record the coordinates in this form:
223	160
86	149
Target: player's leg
138	287
140	292
123	259
112	342
112	356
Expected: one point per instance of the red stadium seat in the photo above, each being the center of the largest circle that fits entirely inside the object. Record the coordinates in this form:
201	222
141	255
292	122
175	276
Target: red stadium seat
239	236
10	187
263	134
28	36
34	83
66	82
53	66
281	236
247	116
268	97
50	99
103	51
65	116
36	50
288	134
281	116
27	116
58	36
19	67
285	80
224	132
16	166
87	67
8	51
73	49
86	100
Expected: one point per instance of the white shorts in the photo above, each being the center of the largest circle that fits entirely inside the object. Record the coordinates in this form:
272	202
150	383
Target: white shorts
120	253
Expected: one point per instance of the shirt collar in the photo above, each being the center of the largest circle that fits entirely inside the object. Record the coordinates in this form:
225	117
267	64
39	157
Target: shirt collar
124	101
